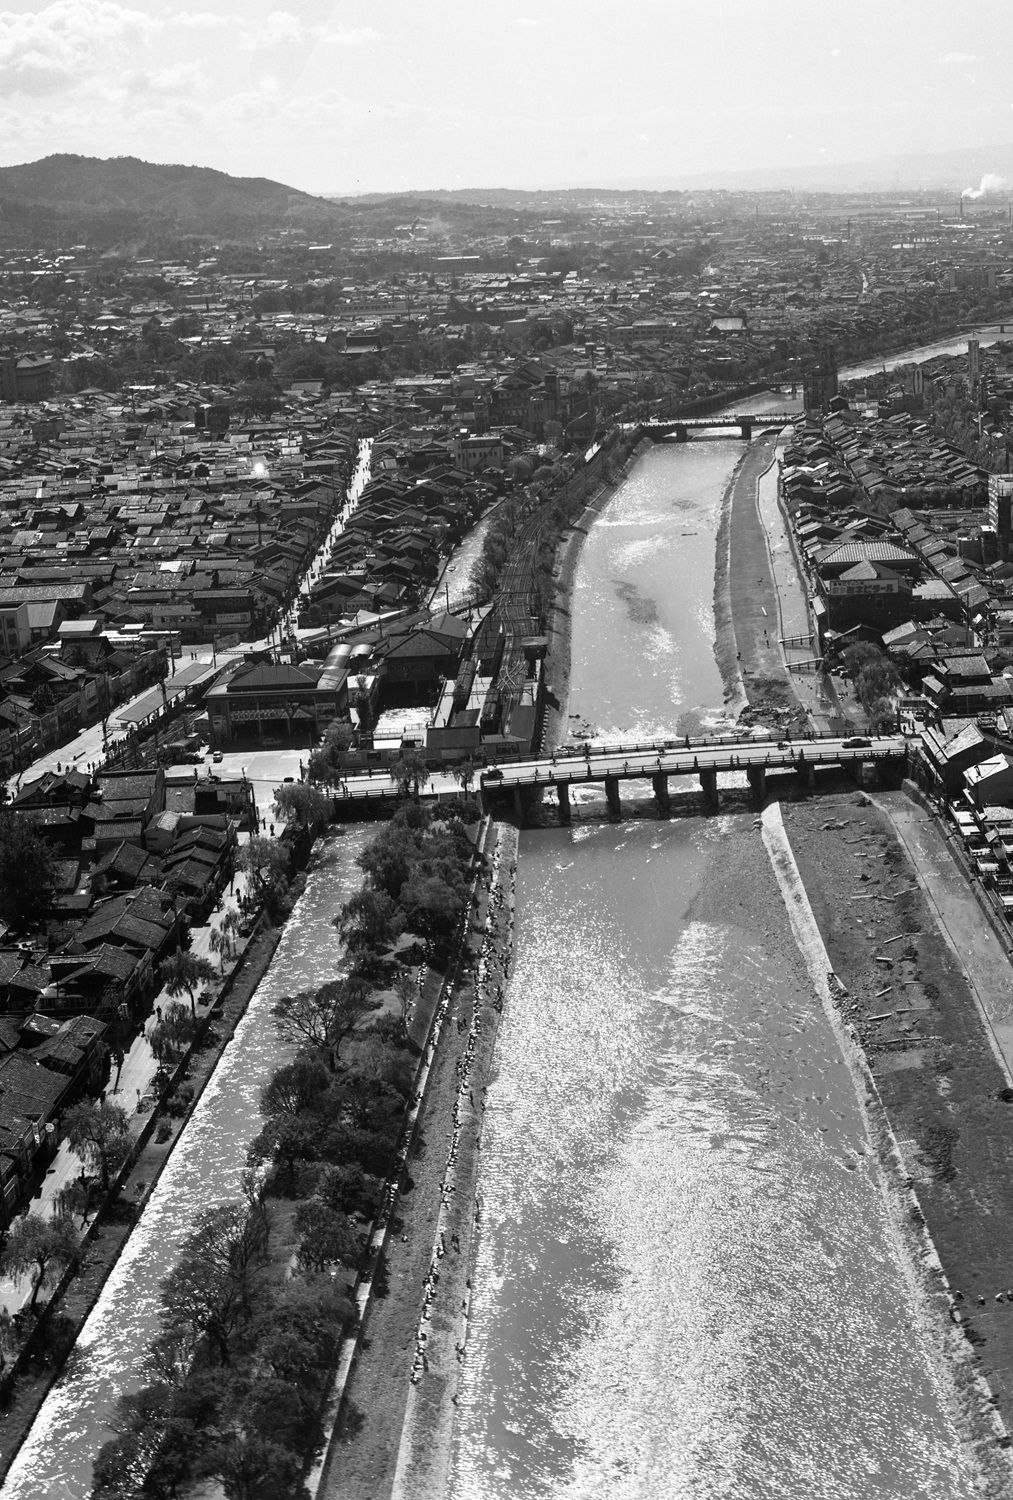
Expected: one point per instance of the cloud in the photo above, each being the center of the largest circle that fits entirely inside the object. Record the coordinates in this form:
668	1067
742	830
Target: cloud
175	81
51	50
959	59
199	20
279	27
357	36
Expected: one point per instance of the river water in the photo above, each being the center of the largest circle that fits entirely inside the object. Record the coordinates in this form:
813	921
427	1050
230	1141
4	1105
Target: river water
688	1283
986	336
205	1168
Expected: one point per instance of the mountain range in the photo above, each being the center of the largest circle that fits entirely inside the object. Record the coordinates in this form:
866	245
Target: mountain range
122	200
129	195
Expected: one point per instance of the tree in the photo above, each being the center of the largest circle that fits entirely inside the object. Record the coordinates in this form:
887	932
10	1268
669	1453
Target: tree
218	942
309	806
295	1088
321	1019
860	655
348	1189
326	1236
298	1335
230	926
432	905
465	774
183	973
100	1135
170	1037
73	1199
26	870
39	1248
254	1468
389	858
411	773
882	715
877	680
266	862
211	1291
323	765
117	1464
370	919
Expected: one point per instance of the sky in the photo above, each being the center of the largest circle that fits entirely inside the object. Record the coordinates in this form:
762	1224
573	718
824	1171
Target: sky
354	96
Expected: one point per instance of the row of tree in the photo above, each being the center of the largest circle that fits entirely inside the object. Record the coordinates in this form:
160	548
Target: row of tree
240	1368
238	1373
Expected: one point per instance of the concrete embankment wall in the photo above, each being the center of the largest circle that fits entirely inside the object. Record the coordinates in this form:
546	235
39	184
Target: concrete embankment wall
980	1424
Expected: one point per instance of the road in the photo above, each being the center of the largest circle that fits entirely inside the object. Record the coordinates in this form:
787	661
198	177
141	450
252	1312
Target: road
627	762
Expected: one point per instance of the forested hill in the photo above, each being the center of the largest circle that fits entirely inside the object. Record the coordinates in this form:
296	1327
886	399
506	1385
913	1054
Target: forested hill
124	195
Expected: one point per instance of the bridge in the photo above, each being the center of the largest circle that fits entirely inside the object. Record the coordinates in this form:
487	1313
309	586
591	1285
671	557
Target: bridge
656	761
681	427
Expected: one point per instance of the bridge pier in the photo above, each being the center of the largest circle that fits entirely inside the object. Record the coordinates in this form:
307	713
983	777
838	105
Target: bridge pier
612	797
709	787
757	777
518	807
746	431
806	772
659	781
563	793
680	433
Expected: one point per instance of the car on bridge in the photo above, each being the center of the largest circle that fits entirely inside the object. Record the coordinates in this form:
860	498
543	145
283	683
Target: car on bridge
855	743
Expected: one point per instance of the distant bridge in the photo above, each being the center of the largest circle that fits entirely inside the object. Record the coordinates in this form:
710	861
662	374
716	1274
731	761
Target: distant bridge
610	765
681	427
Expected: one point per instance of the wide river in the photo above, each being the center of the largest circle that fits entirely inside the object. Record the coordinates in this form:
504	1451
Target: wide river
688	1283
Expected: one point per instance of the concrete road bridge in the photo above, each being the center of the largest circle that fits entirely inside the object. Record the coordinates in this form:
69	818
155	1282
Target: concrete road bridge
656	761
681	427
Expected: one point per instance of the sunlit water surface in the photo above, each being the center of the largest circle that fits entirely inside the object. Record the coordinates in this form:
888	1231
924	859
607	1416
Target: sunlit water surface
688	1283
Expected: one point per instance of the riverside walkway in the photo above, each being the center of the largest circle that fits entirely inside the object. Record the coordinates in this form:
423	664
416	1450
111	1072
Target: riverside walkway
655	760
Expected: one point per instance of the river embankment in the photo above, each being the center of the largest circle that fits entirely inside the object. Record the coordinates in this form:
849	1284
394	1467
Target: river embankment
940	1104
929	1102
937	1097
395	1430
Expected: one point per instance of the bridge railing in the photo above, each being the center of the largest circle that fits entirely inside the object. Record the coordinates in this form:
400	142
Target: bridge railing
678	763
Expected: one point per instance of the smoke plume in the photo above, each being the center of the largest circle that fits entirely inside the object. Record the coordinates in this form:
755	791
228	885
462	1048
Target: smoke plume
991	182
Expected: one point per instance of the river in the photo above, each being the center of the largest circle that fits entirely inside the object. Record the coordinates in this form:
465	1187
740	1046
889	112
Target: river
205	1168
688	1281
986	336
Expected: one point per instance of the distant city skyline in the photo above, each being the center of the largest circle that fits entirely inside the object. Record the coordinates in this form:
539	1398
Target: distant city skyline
387	96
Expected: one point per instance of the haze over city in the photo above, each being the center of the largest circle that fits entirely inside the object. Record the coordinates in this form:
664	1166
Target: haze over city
367	97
